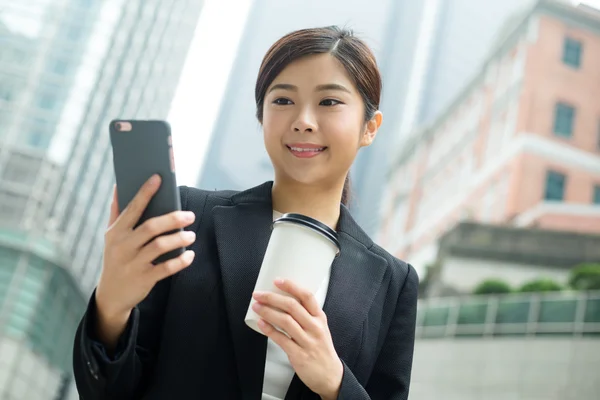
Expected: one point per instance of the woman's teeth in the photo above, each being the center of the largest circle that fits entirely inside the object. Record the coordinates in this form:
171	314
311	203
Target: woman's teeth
307	150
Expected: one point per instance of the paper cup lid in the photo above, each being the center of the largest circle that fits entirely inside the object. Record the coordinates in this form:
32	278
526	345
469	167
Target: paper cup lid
312	223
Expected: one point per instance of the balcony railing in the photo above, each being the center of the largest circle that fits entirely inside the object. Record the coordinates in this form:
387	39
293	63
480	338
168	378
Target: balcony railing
532	314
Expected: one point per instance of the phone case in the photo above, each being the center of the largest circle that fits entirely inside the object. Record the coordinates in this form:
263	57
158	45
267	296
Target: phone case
146	149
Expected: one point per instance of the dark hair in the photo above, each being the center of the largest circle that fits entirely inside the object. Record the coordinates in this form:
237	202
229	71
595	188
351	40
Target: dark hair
353	53
347	190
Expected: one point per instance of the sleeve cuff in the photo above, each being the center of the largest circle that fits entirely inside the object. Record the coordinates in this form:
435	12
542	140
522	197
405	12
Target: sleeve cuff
98	350
351	389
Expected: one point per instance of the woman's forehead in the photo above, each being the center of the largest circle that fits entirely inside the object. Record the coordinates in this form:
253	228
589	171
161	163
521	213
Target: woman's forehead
315	72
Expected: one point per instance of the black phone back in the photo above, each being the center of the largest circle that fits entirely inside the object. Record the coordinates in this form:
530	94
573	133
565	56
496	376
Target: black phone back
140	150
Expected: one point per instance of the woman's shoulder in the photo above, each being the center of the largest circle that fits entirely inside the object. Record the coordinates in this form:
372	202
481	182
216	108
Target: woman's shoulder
193	198
401	272
199	201
402	269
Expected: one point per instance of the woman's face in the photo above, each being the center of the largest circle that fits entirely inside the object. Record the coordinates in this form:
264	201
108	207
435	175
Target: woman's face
313	121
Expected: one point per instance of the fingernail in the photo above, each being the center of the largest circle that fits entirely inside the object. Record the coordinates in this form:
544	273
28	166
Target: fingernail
261	323
189	216
189	235
154	179
256	306
279	281
189	255
258	295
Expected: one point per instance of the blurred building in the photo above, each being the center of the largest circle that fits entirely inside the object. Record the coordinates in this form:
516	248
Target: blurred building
517	346
520	145
433	49
66	69
471	253
427	51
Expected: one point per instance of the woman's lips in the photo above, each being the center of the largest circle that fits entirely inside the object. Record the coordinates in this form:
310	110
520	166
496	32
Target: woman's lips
306	152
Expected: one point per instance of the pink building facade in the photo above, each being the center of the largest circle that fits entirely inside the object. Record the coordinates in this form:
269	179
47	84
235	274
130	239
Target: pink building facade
520	146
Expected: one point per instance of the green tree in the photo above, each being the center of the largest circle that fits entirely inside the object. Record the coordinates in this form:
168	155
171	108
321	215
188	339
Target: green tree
585	277
492	286
541	285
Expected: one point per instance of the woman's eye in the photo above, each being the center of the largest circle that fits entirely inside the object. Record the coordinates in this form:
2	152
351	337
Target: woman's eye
329	102
282	102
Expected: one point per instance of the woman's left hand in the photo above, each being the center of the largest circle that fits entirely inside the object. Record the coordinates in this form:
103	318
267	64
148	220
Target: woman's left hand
309	347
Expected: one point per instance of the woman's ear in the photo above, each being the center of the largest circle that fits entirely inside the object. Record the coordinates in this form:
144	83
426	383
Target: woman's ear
371	130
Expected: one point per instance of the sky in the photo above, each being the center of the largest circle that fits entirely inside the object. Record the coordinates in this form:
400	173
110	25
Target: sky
202	85
592	3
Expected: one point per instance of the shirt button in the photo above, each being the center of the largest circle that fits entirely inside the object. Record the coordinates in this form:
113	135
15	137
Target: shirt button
92	372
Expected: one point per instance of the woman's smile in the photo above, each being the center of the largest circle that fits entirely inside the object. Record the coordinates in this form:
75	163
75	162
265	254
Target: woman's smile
306	150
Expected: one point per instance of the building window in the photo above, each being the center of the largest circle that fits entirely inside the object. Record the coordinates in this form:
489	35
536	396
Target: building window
38	139
597	194
74	32
555	186
21	169
59	67
564	117
47	101
6	92
572	52
12	209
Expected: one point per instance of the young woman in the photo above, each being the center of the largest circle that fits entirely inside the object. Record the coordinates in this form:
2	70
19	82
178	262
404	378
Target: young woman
177	331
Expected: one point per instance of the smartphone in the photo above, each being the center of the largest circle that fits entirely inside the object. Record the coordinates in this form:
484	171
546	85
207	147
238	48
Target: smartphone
140	150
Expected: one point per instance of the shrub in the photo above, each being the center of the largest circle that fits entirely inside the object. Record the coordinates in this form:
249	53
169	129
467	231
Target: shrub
541	285
492	286
585	277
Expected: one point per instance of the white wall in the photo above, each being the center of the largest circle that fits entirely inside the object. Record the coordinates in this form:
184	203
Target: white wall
506	369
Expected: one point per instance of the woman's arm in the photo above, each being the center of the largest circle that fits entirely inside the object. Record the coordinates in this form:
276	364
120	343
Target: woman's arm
390	379
124	373
123	370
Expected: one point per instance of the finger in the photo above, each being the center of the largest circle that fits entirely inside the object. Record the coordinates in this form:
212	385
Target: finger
282	320
160	225
114	208
305	297
288	345
289	305
166	243
134	210
172	266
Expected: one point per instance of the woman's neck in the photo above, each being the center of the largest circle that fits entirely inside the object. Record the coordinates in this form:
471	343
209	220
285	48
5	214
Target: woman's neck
320	203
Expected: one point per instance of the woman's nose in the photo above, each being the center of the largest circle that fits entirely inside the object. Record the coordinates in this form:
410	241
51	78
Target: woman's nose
305	122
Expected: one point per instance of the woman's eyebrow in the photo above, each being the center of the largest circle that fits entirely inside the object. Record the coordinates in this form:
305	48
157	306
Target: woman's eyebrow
320	88
284	86
332	86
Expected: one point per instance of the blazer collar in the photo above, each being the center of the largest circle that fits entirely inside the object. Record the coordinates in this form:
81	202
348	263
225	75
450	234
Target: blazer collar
242	232
262	194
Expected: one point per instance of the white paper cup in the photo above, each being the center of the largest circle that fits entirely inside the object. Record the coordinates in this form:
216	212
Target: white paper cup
300	249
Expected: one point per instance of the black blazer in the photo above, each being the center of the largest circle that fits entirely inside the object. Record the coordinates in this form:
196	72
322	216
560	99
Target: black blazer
188	339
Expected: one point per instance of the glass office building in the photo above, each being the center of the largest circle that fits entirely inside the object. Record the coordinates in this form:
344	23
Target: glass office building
67	67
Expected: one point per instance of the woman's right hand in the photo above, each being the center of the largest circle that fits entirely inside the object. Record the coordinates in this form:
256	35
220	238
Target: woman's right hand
128	274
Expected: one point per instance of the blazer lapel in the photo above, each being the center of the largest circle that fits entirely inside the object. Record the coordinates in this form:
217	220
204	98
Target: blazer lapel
356	276
242	233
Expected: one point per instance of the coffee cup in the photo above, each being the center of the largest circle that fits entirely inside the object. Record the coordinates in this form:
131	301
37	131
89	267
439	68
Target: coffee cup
300	249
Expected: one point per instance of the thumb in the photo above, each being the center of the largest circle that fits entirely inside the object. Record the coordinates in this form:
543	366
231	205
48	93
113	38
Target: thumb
114	208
